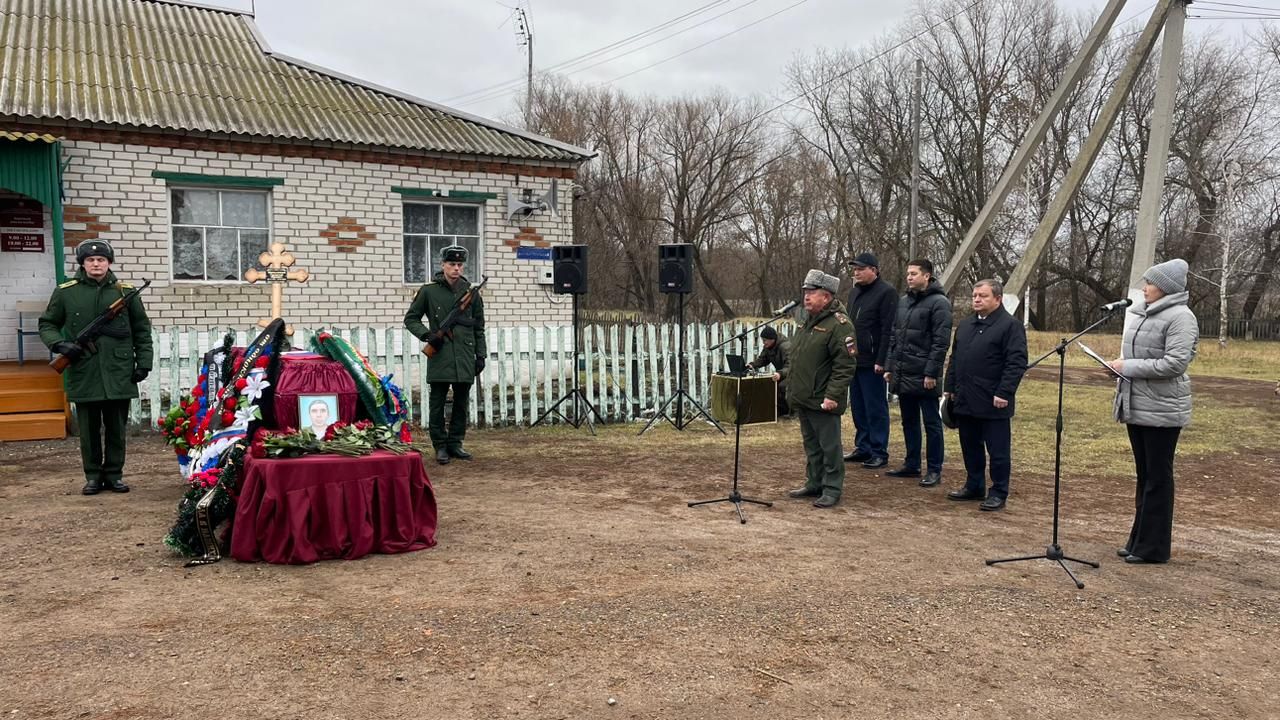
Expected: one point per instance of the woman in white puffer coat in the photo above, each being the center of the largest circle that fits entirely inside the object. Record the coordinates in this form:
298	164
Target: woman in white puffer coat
1154	401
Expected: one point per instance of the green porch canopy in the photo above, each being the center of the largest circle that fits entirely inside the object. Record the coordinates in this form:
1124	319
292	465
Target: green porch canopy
29	165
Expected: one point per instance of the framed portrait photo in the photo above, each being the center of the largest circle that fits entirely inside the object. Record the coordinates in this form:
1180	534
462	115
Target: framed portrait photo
317	412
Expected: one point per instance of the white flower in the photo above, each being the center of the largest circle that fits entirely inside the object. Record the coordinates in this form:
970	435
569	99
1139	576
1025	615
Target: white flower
246	414
257	384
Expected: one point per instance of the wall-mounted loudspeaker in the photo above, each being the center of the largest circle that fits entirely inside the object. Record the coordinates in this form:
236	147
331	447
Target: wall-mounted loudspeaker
675	268
569	269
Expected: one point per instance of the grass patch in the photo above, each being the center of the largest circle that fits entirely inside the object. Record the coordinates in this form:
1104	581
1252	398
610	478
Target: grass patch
1251	360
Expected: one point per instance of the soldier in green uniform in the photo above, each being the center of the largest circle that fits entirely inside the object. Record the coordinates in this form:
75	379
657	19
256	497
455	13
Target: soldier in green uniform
822	362
101	383
459	359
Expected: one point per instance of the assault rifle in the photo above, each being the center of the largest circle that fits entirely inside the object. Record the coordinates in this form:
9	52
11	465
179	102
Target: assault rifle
85	341
435	340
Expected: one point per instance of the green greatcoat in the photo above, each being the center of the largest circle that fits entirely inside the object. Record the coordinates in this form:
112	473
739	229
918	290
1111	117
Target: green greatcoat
820	365
456	360
106	374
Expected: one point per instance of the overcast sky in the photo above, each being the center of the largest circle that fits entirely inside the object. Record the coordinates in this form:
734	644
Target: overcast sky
442	49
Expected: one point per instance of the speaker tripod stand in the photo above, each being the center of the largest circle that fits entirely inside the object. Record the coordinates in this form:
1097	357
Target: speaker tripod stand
580	408
1054	550
680	396
734	496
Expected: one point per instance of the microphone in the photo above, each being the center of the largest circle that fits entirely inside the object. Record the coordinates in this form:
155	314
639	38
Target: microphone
786	308
1114	306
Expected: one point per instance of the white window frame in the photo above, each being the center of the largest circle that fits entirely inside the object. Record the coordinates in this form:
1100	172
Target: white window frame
169	188
475	265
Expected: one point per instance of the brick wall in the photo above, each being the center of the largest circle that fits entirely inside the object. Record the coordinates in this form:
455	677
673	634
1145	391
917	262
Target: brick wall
340	219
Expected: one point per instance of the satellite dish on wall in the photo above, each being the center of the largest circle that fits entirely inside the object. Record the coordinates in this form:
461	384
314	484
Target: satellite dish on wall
522	203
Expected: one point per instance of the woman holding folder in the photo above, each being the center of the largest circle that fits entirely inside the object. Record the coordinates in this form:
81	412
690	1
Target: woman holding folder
1153	399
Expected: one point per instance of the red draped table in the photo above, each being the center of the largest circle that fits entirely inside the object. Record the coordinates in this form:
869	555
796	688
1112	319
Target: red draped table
320	507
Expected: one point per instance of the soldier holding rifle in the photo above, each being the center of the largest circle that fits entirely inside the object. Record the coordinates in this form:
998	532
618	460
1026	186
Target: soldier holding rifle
454	334
101	335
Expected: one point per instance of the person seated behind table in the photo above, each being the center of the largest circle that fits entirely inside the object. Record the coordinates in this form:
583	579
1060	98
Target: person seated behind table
319	412
774	353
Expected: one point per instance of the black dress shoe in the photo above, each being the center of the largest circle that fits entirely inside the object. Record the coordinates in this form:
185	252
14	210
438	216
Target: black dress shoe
1123	552
931	479
442	456
965	495
459	453
992	503
875	463
116	485
904	471
826	501
91	487
803	492
857	456
1135	560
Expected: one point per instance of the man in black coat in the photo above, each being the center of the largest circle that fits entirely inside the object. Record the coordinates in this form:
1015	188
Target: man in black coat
988	360
872	305
917	353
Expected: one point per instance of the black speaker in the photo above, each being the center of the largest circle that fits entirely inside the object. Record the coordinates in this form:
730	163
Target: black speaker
675	268
569	269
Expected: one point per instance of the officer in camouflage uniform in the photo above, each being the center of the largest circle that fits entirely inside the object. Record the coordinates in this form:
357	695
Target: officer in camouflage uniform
459	359
822	362
101	383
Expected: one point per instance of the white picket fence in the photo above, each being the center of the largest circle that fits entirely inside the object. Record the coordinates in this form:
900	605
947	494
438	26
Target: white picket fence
626	371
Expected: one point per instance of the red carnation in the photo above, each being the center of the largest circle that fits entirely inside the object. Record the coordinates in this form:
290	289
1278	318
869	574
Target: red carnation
262	361
241	383
228	418
203	378
197	392
405	437
230	404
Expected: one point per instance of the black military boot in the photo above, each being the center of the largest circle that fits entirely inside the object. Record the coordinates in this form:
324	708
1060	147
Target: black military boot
442	456
116	485
92	486
459	453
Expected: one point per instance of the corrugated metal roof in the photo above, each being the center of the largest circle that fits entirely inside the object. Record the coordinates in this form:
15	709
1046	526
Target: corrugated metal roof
168	65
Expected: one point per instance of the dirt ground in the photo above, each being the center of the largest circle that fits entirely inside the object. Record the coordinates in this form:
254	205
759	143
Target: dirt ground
571	581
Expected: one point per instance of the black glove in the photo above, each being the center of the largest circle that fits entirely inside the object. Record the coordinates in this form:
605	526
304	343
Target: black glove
139	374
67	348
479	365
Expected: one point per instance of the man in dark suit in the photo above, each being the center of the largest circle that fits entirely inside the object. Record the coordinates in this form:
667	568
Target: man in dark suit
873	303
988	359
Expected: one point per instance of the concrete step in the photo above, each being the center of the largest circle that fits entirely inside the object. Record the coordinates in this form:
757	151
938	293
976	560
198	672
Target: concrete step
33	426
31	400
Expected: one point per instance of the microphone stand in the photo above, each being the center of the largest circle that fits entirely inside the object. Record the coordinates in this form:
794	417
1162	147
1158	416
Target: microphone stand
1054	550
736	497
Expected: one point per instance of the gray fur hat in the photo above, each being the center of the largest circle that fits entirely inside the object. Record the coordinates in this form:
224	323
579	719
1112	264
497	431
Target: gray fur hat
818	280
1170	276
90	248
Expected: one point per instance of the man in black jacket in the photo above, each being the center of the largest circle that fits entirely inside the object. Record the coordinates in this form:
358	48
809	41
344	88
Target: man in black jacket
988	360
917	352
872	305
774	353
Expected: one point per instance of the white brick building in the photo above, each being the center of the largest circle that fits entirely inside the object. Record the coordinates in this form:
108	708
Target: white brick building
189	184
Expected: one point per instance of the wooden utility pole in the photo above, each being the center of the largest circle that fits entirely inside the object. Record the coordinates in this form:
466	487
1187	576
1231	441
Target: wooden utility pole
1083	163
915	161
1035	135
1157	159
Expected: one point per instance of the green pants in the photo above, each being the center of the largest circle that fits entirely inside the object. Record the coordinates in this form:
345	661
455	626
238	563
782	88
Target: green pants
102	438
821	434
449	438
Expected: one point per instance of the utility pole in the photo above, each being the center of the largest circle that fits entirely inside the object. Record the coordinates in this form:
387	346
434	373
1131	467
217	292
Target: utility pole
915	160
525	32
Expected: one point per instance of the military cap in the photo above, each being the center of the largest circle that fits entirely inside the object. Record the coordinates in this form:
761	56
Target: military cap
453	253
818	280
89	248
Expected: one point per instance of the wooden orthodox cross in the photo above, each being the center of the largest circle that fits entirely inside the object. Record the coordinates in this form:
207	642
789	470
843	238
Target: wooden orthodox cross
277	263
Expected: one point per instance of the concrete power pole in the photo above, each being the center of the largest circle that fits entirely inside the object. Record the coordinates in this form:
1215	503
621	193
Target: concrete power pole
525	31
915	160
